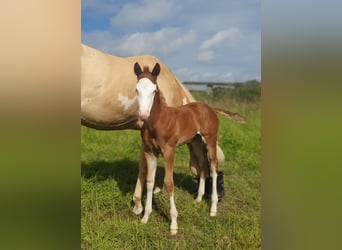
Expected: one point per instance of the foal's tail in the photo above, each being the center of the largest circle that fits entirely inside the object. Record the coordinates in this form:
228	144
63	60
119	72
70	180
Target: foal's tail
231	115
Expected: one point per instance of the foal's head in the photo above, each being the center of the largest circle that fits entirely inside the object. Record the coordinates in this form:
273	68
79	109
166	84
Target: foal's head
146	88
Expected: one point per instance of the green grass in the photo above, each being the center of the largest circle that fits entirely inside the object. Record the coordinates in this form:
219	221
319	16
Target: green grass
110	167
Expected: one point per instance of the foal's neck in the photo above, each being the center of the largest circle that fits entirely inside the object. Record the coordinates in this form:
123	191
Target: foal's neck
159	106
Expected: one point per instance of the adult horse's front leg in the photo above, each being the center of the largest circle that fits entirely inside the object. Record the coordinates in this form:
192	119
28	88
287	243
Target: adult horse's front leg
151	160
138	208
168	154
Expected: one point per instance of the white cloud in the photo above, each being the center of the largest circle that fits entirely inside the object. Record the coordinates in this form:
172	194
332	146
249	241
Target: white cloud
162	42
229	36
196	40
205	56
185	74
137	14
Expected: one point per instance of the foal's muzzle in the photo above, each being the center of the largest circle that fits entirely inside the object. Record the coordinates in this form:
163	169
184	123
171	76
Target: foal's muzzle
144	115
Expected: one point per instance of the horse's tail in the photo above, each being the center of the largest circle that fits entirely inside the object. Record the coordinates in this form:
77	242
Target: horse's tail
231	115
219	154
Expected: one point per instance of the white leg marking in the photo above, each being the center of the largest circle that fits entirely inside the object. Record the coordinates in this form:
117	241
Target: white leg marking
214	197
148	206
200	189
152	165
138	208
174	214
137	198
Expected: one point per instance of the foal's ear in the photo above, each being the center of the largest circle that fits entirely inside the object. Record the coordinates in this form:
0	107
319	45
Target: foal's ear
137	69
156	70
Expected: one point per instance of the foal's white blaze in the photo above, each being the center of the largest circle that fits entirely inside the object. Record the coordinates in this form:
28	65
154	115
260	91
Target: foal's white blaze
146	91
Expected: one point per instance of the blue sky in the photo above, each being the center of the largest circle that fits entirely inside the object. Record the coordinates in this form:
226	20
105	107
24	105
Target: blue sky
218	40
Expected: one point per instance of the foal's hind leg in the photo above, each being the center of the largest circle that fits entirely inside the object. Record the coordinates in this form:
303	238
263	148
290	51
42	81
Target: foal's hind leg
211	146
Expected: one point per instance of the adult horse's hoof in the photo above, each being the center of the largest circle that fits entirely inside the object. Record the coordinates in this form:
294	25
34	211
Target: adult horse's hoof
173	231
156	190
137	210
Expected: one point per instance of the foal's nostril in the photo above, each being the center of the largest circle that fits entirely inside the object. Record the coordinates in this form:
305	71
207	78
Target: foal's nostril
144	115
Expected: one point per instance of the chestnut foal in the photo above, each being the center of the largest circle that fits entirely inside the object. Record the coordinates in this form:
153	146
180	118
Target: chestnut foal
165	128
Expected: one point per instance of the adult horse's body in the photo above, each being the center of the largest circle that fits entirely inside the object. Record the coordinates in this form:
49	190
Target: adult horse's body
108	98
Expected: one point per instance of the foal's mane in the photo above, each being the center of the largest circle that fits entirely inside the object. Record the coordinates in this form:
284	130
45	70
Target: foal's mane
161	97
146	73
146	69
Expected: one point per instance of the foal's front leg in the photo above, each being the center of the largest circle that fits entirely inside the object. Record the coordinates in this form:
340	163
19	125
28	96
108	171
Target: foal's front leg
168	154
151	160
138	208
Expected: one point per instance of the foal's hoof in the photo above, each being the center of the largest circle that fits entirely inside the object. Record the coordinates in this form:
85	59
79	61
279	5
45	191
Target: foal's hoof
212	214
198	200
144	220
173	231
137	210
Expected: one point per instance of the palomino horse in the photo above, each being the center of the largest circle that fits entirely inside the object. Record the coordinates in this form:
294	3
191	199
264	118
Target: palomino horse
165	128
108	98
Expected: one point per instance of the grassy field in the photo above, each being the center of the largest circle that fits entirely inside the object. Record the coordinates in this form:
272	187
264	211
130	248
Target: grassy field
109	167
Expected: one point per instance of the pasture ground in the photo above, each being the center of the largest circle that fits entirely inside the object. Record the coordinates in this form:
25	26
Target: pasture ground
109	168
